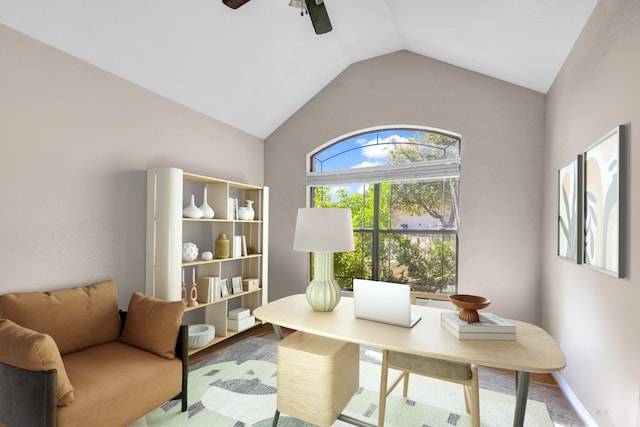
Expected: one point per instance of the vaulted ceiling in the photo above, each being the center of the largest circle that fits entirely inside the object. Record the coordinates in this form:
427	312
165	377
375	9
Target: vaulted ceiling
254	66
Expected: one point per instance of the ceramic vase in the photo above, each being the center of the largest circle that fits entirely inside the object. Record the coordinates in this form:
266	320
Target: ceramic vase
222	247
192	211
207	211
246	212
323	292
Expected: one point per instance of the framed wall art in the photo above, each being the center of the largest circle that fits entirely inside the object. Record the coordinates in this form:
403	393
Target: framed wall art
603	203
569	210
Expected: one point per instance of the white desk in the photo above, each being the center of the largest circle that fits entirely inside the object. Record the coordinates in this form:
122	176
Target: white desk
533	351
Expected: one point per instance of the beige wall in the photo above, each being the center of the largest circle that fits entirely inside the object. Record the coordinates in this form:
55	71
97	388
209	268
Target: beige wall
76	142
502	128
592	315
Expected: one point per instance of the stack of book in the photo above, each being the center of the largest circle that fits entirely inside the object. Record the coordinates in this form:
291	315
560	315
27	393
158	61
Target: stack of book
490	327
239	246
208	289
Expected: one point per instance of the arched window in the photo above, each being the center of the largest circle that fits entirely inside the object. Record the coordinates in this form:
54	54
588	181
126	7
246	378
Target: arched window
401	185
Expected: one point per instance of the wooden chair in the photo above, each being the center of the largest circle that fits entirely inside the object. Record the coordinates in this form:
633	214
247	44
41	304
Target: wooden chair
457	372
416	295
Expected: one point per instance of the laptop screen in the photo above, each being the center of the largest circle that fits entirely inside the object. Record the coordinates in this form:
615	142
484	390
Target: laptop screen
383	302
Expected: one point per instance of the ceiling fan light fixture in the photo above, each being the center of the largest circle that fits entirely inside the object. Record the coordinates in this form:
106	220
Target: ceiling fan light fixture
319	16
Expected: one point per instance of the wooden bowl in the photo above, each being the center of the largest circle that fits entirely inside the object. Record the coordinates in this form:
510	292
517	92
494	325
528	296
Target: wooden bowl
469	306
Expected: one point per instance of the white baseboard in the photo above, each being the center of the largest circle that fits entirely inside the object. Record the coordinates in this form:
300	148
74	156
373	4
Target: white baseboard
573	400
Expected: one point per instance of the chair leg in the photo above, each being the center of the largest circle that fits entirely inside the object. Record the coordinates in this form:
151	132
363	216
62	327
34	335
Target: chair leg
467	399
405	388
474	398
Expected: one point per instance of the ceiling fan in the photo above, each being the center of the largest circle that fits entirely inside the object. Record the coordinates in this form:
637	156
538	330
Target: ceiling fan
314	8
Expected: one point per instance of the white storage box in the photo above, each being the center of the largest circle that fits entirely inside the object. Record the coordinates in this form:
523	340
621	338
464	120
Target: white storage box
241	324
239	313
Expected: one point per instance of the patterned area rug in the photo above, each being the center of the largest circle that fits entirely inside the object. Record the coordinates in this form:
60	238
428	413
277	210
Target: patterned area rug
236	387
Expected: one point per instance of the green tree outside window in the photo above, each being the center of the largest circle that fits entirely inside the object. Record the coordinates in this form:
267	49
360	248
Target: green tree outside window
404	231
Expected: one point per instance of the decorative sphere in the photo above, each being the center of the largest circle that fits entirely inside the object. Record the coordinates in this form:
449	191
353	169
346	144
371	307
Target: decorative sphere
189	252
207	256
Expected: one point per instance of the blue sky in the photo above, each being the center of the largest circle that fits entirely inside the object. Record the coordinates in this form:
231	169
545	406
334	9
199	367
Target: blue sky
362	150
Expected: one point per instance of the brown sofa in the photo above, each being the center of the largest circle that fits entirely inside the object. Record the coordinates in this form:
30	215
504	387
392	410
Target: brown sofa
70	357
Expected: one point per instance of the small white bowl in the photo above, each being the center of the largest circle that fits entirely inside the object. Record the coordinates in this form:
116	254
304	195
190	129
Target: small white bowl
200	335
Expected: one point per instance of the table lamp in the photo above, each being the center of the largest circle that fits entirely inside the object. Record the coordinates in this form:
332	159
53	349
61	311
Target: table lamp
323	231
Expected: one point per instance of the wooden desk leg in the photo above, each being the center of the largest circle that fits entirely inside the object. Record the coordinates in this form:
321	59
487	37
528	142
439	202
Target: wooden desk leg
522	392
279	335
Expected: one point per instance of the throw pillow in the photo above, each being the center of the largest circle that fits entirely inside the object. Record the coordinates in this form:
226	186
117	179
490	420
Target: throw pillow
34	351
153	324
76	318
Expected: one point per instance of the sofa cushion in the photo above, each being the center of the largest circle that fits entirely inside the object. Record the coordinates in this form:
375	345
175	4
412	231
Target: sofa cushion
116	384
27	349
76	318
153	324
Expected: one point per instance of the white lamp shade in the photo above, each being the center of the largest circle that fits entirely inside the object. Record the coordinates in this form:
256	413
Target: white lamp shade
323	230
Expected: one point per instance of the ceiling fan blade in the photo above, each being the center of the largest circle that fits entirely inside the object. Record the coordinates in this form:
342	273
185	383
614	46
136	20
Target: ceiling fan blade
319	16
234	4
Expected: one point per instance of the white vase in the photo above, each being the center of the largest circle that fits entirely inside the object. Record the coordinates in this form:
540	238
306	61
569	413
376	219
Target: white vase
207	211
192	211
246	212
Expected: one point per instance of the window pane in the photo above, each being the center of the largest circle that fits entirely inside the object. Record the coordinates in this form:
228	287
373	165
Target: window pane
381	147
358	198
355	264
426	261
423	205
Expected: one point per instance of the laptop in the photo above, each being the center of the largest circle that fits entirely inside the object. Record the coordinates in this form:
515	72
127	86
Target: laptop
383	302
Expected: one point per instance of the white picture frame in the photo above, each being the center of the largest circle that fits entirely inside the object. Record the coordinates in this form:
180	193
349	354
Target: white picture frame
570	210
604	204
236	285
224	287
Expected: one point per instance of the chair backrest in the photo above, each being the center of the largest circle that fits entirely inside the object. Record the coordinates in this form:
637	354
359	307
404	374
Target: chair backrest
431	367
415	295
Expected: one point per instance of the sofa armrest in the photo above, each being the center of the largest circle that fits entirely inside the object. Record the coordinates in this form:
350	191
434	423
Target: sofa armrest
27	398
182	353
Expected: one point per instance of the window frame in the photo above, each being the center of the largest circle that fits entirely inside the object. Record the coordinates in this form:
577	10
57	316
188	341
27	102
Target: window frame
432	170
